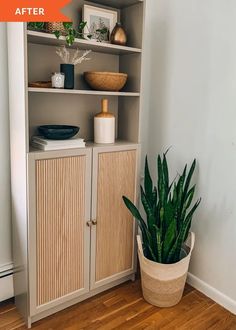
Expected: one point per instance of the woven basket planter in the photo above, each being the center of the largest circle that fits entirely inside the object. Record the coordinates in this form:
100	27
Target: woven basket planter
55	26
162	284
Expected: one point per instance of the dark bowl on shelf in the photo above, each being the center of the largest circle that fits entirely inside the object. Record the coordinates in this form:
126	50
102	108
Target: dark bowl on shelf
58	132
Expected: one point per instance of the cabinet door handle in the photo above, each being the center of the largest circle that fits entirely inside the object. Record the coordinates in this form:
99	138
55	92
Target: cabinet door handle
89	223
94	222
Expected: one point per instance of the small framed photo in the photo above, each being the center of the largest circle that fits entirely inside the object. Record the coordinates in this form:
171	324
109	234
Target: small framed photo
100	22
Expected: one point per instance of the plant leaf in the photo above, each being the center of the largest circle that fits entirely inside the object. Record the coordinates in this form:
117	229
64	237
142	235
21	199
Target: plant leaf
147	239
184	230
159	244
165	175
57	34
148	185
169	240
161	188
189	177
68	25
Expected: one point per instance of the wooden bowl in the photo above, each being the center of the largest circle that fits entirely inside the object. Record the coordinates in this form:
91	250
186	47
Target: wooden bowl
41	84
106	81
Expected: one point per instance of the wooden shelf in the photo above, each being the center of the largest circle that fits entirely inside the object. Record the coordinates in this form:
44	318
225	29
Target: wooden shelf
42	38
118	4
80	92
89	145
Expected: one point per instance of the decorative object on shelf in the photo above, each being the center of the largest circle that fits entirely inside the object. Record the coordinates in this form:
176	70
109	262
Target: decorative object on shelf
60	29
58	80
167	243
70	59
36	26
118	35
69	72
58	132
41	143
70	33
52	27
41	84
104	125
106	81
100	22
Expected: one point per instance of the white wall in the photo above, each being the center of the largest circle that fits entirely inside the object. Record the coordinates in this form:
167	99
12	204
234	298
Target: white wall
191	58
193	109
5	219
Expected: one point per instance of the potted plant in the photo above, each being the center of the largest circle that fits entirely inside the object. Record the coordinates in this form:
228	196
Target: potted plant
70	59
67	30
167	243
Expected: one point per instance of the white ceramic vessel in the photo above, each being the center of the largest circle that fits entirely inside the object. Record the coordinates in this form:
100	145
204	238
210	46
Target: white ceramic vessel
58	80
104	125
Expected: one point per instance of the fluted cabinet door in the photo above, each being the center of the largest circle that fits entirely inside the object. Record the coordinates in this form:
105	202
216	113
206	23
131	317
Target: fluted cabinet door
115	175
61	232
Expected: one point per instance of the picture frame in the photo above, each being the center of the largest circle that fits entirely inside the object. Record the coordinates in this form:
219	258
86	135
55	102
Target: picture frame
100	22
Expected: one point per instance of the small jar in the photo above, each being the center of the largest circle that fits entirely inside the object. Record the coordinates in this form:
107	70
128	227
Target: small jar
58	80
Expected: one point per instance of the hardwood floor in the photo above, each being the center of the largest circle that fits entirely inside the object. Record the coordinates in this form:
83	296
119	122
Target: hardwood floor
124	308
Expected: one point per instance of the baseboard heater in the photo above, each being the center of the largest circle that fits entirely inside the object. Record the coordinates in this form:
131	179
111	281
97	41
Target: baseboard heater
6	282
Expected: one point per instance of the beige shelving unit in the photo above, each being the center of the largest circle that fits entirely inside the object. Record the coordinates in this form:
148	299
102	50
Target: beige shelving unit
72	235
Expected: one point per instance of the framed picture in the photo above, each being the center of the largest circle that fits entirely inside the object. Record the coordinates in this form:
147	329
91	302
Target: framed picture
100	22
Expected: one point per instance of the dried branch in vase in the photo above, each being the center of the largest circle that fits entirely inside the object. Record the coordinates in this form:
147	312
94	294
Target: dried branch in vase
68	57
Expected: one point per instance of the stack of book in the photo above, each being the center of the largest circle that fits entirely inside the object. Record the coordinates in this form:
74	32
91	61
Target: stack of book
41	143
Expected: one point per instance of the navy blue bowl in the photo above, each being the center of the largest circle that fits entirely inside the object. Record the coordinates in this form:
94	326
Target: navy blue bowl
58	132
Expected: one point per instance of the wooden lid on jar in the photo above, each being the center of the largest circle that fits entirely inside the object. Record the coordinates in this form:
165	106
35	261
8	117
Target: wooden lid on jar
105	113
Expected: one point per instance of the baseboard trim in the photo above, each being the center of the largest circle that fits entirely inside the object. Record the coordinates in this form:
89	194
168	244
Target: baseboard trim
212	293
6	269
6	288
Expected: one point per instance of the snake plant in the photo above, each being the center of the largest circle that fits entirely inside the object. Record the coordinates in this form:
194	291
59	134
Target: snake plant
169	211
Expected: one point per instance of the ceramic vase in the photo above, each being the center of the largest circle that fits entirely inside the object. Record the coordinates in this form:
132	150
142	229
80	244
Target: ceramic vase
69	72
118	35
104	125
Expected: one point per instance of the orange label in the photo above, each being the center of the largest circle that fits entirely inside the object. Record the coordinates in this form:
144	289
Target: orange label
33	11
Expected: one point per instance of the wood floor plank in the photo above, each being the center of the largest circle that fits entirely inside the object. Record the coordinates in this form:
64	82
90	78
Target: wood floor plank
10	320
171	318
6	306
214	317
123	308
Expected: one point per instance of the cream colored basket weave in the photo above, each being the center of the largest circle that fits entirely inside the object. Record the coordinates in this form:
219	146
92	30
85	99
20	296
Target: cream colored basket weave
162	284
55	26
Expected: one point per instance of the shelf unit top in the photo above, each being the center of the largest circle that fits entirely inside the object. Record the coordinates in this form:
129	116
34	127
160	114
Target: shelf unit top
43	38
117	3
80	92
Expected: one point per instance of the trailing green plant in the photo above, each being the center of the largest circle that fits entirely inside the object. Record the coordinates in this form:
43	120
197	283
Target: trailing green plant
36	26
70	33
169	212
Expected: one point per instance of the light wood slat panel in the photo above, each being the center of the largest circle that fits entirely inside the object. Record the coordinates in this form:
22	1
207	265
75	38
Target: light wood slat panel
60	189
114	235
